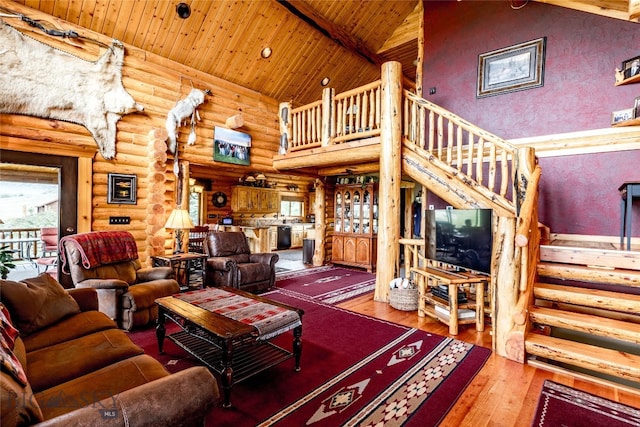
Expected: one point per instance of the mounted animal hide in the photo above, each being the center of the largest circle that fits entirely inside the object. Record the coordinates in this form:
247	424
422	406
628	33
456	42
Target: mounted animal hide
39	80
184	108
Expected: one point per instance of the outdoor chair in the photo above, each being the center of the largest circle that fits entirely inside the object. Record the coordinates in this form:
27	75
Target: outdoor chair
49	243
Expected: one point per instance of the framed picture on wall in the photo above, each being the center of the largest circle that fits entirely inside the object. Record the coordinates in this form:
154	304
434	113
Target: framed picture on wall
231	146
622	115
631	67
512	68
122	189
636	108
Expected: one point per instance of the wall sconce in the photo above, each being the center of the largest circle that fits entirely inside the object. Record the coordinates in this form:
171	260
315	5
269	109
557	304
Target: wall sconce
179	220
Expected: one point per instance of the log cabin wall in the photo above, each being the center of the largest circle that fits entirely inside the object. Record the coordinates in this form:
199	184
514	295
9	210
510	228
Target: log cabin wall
157	84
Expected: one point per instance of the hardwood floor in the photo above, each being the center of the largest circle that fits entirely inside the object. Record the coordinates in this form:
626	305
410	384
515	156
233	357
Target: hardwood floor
504	393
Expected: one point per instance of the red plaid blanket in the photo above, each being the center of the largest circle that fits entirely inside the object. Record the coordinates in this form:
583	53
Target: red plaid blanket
101	247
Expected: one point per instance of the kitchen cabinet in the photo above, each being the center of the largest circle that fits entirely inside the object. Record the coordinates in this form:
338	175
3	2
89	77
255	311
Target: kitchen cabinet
354	239
273	238
255	200
297	235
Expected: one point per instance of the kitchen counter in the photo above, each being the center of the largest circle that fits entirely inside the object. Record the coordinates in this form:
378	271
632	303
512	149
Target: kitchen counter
258	237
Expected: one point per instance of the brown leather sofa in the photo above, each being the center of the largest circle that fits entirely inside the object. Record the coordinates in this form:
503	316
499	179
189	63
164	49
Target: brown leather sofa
70	365
231	263
126	291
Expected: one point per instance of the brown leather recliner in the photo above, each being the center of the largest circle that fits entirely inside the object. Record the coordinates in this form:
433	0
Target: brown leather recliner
108	262
231	263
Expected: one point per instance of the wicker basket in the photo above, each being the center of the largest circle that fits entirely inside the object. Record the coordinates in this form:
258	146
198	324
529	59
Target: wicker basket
405	299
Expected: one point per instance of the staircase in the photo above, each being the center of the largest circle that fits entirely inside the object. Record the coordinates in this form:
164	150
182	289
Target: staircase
586	314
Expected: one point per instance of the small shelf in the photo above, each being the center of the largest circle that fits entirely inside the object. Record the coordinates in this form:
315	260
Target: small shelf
630	80
632	122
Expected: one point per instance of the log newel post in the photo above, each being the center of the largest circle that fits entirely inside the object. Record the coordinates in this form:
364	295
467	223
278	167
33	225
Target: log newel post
390	176
327	116
320	225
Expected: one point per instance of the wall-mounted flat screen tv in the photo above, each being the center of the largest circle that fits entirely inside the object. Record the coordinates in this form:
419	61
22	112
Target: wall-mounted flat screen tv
463	237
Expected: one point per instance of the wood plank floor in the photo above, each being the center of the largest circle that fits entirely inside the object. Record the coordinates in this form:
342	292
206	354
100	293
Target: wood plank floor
504	393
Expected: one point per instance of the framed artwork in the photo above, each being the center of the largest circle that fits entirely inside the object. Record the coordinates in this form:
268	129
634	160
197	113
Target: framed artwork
122	189
231	146
636	108
622	115
631	67
512	68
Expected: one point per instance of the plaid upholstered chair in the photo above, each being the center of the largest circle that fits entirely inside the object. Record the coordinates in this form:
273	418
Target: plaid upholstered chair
108	262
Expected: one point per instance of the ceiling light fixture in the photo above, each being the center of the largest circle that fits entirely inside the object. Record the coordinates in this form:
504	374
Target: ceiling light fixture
183	10
325	81
266	52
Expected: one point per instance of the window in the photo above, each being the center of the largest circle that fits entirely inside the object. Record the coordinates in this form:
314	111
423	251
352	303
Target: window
291	208
195	205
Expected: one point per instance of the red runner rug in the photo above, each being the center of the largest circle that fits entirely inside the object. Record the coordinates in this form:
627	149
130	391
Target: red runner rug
328	284
560	405
356	370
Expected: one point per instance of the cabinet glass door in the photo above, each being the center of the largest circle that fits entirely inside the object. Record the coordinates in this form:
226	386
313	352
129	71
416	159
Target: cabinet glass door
338	218
366	212
356	212
347	212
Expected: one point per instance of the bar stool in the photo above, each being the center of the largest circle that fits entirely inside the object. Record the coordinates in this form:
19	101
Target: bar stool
628	191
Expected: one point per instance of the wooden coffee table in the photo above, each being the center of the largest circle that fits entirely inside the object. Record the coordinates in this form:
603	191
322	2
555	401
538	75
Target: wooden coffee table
232	349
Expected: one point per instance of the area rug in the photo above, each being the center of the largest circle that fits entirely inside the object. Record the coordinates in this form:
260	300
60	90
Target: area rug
560	405
328	284
356	370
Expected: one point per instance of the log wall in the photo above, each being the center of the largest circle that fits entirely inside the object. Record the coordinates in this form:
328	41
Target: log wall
157	84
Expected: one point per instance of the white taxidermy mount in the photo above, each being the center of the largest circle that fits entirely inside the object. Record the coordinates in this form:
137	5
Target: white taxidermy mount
42	81
183	109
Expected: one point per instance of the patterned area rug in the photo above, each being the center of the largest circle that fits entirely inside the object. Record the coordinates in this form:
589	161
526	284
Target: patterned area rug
560	405
356	370
328	284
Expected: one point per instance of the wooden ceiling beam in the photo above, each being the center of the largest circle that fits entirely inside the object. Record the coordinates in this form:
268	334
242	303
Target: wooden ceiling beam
303	11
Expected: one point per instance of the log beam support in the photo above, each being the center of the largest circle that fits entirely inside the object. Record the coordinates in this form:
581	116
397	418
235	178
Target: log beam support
320	226
390	177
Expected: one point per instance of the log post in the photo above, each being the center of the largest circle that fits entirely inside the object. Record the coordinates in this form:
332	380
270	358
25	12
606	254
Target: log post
285	127
320	226
327	116
390	176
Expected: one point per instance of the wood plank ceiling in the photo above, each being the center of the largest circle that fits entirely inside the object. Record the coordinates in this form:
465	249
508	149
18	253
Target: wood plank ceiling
344	40
340	40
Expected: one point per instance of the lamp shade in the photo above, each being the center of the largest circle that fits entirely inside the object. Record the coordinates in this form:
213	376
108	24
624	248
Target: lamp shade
179	219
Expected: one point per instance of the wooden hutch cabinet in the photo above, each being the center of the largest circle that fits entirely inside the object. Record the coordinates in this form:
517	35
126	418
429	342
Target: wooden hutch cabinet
354	241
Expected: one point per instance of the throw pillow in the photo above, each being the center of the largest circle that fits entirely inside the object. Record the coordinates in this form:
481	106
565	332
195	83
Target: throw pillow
36	302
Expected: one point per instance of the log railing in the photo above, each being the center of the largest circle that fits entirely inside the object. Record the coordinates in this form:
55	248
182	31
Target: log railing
472	152
348	116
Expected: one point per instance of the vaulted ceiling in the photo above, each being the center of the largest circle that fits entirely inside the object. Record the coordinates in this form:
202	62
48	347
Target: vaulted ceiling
344	40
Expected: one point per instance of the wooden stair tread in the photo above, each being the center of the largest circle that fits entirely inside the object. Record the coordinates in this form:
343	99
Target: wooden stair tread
588	297
584	273
586	323
586	256
604	360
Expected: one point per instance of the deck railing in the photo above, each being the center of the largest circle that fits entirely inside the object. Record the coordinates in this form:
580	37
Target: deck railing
25	243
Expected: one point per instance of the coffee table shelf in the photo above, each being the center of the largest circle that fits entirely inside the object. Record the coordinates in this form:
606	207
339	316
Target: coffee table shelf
249	358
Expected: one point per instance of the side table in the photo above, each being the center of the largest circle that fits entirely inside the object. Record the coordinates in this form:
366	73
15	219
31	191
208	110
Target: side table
628	191
189	268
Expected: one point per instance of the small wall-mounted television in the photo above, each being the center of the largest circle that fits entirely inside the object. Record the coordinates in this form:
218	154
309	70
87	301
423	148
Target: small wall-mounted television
463	237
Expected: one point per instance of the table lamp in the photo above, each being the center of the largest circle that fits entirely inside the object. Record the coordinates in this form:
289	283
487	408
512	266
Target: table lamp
179	220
